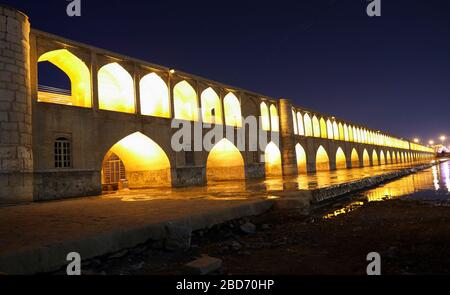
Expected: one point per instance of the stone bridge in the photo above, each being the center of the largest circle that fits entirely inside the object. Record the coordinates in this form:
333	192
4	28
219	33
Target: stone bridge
112	128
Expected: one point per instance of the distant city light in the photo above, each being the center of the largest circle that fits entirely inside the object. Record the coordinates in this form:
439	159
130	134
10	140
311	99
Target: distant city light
431	142
443	138
416	140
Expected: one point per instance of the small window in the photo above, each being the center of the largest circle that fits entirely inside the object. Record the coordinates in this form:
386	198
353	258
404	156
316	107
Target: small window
63	157
189	158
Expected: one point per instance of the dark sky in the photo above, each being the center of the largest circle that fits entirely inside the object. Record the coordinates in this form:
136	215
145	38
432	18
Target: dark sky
390	72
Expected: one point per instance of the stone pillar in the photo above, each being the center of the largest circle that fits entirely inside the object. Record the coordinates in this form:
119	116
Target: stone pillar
16	158
288	156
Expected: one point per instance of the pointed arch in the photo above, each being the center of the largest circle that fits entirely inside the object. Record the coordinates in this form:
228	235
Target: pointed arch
274	118
351	136
388	158
307	125
382	158
330	129
355	159
322	160
185	102
78	73
232	111
265	117
346	134
323	128
375	161
225	162
211	107
316	126
294	122
335	130
115	89
341	160
272	157
366	158
154	96
146	163
301	159
341	131
301	128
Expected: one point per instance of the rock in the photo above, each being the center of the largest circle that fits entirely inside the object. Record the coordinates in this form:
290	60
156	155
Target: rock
248	228
265	226
178	237
203	265
235	246
138	266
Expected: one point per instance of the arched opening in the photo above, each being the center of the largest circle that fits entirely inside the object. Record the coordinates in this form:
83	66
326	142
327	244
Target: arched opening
341	160
294	122
272	157
274	119
375	158
185	102
301	128
154	96
308	125
335	130
139	160
63	78
265	117
388	158
211	107
323	128
301	159
366	158
225	162
355	159
341	132
232	110
316	126
322	160
382	158
351	136
330	129
115	89
399	158
346	134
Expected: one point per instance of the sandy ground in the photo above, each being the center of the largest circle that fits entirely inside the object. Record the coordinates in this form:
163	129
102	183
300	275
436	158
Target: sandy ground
412	237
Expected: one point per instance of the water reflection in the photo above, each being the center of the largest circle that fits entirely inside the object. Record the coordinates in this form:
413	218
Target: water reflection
431	184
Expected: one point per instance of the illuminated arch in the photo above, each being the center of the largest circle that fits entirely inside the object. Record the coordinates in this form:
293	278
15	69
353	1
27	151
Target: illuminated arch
366	158
399	157
335	130
322	160
316	126
375	158
274	119
211	107
382	158
351	136
346	134
355	159
307	125
341	132
341	160
79	75
323	128
154	96
301	129
330	129
115	89
272	157
145	162
225	162
301	159
388	158
355	134
294	122
232	110
185	102
265	117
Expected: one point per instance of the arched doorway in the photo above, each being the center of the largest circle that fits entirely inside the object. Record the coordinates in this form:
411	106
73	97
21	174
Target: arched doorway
225	162
301	159
341	160
355	159
272	157
322	160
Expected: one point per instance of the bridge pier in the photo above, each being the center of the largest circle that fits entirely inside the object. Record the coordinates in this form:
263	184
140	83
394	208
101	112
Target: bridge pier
288	156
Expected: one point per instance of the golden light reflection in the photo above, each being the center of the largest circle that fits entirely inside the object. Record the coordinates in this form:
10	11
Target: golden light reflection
115	89
301	159
232	110
355	159
375	158
322	160
225	162
78	73
366	158
341	161
272	157
382	158
185	102
445	167
323	128
211	107
154	96
316	126
308	125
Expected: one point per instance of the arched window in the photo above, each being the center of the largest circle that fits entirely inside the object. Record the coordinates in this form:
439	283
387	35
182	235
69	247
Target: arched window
330	129
62	153
265	117
316	126
185	102
154	96
274	119
232	110
294	122
341	132
301	129
335	130
78	76
211	107
308	125
323	128
351	136
346	134
115	89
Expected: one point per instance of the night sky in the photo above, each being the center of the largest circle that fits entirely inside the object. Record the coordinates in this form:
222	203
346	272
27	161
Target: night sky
390	72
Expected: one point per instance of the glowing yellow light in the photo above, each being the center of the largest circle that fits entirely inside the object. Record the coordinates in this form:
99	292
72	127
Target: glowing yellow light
341	161
416	140
346	133
115	89
335	131
341	132
232	109
366	158
355	159
431	142
225	162
322	160
78	73
323	128
274	119
211	107
307	125
172	71
294	122
301	129
375	158
443	138
316	126
330	129
301	159
265	117
382	158
185	102
154	96
272	157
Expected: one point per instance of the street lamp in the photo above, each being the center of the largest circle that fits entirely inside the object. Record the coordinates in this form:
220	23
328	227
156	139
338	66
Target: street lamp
431	142
416	140
443	138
